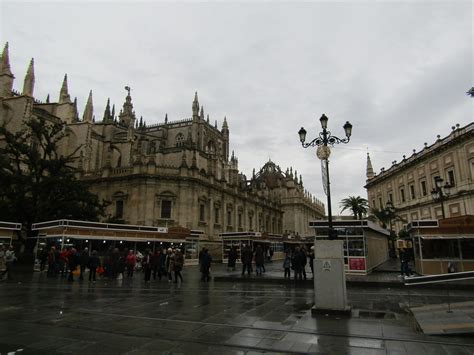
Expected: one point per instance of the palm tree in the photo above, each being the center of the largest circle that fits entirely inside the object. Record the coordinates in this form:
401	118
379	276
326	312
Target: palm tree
382	215
358	205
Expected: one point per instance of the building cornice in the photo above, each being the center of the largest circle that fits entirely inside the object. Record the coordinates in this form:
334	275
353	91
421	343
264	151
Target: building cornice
456	137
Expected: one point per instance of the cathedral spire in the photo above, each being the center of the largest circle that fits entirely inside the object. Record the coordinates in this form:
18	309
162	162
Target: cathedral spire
201	115
6	76
107	115
88	111
76	111
127	115
370	171
5	64
196	106
166	118
64	93
113	112
29	83
47	99
207	118
224	124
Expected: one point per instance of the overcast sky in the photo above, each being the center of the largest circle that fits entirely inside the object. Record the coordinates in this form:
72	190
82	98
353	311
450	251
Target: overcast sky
398	71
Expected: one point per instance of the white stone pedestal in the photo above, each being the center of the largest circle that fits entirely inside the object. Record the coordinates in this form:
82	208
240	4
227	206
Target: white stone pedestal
330	295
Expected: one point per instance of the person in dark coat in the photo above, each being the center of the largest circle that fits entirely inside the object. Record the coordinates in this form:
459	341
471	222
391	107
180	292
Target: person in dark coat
232	258
146	265
297	264
247	257
311	260
74	259
259	260
155	263
178	265
206	261
304	259
162	264
84	262
94	263
404	262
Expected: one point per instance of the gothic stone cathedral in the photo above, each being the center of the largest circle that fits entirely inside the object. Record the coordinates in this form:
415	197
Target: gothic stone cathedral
174	173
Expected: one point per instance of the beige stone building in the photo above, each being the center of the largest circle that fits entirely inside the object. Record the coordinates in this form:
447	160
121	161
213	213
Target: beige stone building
409	183
174	173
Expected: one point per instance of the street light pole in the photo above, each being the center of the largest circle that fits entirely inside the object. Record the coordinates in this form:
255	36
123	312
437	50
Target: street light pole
323	141
440	193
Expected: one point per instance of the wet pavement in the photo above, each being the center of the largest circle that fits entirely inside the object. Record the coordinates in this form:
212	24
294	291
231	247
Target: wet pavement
44	315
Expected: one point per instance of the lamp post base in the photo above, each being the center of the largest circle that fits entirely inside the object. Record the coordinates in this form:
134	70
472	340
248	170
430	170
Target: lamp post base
330	294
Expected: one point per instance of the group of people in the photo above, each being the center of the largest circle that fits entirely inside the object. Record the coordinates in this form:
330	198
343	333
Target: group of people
70	261
297	260
7	258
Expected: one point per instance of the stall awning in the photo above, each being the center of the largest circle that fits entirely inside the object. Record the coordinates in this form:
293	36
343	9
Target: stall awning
445	237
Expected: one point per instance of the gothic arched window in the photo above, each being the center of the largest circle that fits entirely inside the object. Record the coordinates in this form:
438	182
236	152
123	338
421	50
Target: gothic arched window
179	139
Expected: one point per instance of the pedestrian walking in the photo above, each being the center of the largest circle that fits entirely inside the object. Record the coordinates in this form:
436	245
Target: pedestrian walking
311	260
162	264
206	266
146	265
10	258
94	264
84	262
304	259
52	263
155	263
232	258
178	265
130	263
404	263
287	264
247	257
3	263
259	260
169	264
73	262
297	264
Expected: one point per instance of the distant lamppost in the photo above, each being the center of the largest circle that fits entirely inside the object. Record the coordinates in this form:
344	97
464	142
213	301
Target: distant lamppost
440	193
324	140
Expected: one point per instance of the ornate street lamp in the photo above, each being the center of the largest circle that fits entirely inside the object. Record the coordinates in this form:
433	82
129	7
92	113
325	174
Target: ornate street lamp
323	141
440	193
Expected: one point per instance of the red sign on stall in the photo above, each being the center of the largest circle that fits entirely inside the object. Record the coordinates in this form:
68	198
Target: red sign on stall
357	264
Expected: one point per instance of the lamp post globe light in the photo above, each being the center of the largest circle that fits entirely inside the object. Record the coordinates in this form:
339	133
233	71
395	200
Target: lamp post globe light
324	141
440	193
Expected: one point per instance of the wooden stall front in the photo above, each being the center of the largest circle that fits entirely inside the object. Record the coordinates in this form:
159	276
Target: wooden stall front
102	236
365	243
7	232
443	246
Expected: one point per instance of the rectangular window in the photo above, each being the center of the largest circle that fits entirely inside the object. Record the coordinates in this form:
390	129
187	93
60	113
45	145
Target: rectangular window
451	177
216	215
424	191
250	222
380	203
390	197
402	195
412	192
229	218
165	209
201	213
240	220
119	209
